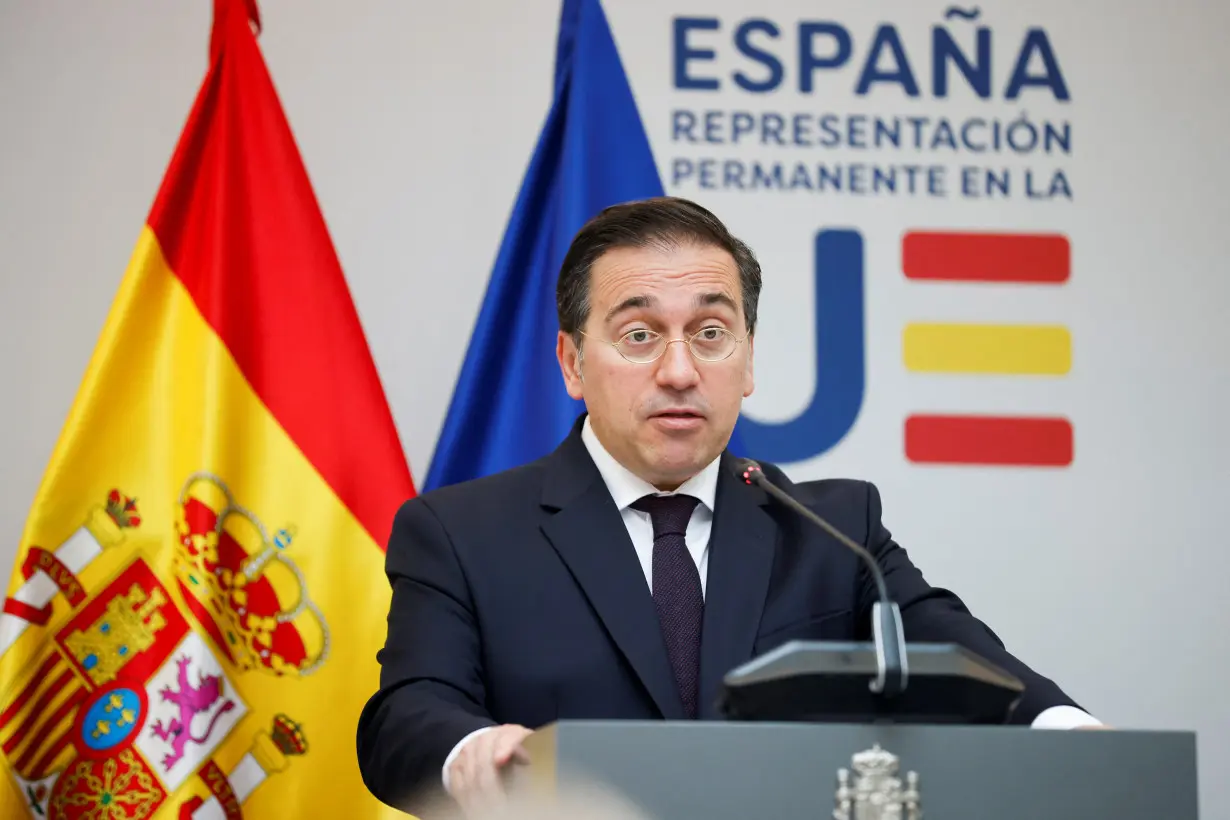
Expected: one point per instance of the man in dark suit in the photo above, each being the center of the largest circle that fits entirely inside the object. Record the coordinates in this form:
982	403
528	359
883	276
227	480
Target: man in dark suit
623	575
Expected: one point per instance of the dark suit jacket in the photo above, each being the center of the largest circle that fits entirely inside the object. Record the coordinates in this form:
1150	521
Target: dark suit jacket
518	598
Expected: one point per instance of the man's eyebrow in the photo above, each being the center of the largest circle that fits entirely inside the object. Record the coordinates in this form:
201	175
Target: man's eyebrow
628	304
706	299
702	300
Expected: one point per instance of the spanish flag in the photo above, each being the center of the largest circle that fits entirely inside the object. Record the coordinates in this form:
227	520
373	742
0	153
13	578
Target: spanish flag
192	624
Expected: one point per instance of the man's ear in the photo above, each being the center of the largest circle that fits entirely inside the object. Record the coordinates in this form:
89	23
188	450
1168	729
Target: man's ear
570	361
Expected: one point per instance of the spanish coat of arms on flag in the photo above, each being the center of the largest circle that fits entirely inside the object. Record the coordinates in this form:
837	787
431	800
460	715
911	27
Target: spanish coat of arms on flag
192	624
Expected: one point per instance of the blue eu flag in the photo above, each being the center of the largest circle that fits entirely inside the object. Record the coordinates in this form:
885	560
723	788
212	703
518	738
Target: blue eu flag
510	406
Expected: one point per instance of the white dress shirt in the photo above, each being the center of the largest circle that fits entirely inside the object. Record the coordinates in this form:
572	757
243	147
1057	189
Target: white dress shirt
626	488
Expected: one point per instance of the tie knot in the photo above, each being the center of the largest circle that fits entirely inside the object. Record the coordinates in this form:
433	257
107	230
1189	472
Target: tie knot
670	513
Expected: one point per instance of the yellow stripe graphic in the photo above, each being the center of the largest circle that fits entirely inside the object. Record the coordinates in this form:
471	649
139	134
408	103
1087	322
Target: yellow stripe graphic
968	348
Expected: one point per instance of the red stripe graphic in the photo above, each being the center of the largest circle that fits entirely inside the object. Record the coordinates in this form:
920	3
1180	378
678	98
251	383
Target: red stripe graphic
47	728
36	714
41	675
240	226
933	439
39	770
986	257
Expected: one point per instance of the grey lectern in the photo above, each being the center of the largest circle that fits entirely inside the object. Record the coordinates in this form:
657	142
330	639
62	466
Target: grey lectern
805	740
800	771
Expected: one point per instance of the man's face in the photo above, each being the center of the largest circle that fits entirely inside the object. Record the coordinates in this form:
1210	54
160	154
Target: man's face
664	420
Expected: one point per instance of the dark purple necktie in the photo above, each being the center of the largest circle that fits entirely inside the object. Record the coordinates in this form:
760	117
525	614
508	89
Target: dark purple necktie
676	589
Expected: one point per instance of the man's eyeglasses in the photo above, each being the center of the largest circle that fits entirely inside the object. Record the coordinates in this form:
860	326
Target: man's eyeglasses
709	344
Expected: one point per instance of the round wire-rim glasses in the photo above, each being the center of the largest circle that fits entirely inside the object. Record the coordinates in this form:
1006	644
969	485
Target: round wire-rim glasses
709	344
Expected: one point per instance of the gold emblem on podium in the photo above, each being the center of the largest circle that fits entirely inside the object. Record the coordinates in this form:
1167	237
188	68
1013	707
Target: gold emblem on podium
874	791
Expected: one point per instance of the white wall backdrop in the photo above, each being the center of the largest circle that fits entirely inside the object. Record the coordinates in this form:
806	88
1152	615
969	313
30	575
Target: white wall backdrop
416	121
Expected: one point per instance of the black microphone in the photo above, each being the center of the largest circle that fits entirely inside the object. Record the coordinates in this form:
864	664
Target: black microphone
893	672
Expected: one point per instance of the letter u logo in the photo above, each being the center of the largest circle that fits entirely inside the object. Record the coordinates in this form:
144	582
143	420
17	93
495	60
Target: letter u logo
840	366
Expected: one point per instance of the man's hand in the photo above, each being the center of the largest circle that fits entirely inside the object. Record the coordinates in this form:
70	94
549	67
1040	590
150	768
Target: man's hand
474	775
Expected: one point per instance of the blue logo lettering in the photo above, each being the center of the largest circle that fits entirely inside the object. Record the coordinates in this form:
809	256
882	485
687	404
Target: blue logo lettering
840	379
829	46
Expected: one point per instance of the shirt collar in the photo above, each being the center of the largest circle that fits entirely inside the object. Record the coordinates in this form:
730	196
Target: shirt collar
626	487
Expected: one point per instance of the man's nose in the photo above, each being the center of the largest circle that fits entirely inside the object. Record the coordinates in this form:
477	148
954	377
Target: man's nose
677	368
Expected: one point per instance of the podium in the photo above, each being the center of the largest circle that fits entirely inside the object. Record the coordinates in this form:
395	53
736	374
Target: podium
805	739
804	771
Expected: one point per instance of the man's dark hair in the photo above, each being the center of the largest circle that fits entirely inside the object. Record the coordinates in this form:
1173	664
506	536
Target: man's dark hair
665	222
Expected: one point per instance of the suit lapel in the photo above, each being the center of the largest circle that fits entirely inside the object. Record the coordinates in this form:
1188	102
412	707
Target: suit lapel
591	539
741	549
